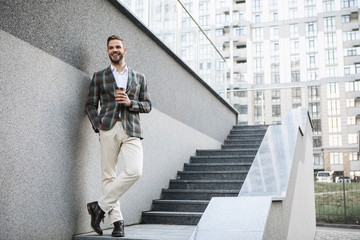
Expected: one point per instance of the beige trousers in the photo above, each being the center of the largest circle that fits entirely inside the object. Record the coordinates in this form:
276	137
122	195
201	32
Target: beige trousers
114	142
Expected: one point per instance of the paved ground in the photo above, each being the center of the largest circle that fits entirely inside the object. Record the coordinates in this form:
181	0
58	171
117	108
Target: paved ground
325	233
176	232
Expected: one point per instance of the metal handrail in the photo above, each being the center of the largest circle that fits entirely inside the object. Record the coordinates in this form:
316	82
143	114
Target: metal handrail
202	30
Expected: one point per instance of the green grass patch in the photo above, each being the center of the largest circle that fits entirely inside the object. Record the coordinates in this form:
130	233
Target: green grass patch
329	203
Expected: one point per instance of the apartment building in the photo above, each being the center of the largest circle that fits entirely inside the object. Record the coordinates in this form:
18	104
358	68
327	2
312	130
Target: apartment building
279	54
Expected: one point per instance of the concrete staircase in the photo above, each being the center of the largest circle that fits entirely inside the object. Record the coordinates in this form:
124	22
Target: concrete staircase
211	173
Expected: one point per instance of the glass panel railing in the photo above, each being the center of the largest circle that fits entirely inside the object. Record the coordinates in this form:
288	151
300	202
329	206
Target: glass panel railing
175	24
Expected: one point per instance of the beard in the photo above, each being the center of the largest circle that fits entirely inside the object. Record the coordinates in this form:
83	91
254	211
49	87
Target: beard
117	61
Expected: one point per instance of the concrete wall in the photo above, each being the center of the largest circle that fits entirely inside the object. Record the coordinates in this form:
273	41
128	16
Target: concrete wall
50	156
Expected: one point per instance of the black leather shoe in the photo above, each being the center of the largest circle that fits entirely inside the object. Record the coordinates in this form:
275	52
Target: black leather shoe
96	216
118	229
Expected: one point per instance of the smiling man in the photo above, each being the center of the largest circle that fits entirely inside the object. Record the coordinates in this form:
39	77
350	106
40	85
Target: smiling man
122	94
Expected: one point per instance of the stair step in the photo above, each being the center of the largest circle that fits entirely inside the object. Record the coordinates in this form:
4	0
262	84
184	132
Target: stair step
226	152
241	141
222	159
216	166
239	146
251	127
249	138
249	133
196	194
206	184
212	175
180	205
176	218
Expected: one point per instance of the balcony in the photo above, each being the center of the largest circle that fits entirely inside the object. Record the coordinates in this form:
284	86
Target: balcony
240	53
349	60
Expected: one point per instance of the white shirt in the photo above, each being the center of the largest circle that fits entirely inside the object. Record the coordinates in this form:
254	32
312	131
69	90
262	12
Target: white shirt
121	78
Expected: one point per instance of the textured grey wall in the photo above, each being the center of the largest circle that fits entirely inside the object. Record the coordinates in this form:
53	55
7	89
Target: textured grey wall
49	154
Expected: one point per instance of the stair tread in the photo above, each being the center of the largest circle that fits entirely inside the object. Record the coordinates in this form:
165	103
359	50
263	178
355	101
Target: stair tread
204	181
215	164
230	156
201	190
180	201
219	172
163	213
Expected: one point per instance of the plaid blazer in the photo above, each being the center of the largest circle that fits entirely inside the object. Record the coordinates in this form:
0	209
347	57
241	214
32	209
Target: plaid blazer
102	89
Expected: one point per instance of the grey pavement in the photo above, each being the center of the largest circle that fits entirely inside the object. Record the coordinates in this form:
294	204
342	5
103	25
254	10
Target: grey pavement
183	232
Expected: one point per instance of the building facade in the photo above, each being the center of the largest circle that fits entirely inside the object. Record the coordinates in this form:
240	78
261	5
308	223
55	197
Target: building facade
279	55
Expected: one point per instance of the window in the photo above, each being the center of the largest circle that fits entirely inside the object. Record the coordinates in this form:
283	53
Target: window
309	2
312	75
351	51
256	5
273	4
258	113
329	24
351	120
334	124
350	102
345	18
311	44
295	76
275	77
330	40
258	65
311	63
238	16
352	86
293	13
353	156
258	49
258	96
219	65
348	3
274	32
335	140
352	138
317	141
316	126
204	7
275	47
294	46
318	159
310	28
274	16
294	30
259	78
328	6
331	56
204	21
276	111
275	95
185	22
256	17
336	158
295	61
351	36
332	90
296	94
310	11
333	107
314	110
240	31
258	34
219	32
296	105
293	3
314	93
243	109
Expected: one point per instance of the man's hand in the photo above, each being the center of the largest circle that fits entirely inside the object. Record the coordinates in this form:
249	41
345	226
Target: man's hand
122	98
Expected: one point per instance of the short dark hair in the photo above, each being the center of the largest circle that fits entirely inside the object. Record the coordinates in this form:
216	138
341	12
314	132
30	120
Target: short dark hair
115	37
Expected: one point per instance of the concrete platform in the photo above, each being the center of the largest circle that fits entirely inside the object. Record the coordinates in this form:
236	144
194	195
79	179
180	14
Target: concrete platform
183	232
146	232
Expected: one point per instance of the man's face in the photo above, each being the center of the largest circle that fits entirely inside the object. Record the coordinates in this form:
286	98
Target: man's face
116	51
